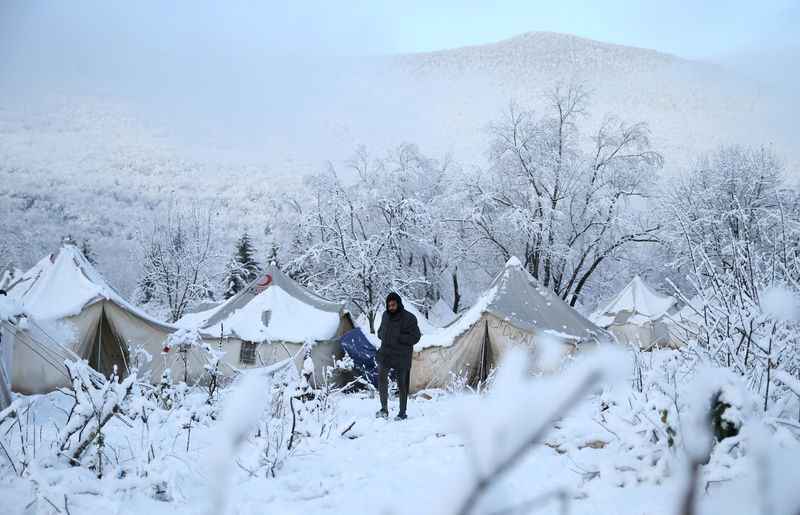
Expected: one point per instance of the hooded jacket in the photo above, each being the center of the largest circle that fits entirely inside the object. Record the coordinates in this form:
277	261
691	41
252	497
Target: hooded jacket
398	333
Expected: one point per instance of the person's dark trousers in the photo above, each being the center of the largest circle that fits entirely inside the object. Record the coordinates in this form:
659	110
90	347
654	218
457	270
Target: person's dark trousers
383	385
402	386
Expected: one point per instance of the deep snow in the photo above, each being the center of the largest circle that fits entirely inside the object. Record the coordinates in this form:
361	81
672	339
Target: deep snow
605	455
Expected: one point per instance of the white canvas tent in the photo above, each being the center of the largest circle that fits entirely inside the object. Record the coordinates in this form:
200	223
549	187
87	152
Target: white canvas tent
30	360
66	294
515	311
639	315
270	320
10	313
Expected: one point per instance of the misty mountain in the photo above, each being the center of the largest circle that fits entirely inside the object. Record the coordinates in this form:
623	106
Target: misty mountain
97	161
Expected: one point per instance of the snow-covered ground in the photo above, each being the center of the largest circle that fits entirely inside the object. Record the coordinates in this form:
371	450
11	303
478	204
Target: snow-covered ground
377	467
609	453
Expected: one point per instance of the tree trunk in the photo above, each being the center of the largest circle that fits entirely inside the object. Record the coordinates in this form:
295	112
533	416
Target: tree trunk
456	295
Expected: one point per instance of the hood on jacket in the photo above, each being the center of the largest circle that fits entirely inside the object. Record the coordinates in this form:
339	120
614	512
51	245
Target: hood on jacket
395	297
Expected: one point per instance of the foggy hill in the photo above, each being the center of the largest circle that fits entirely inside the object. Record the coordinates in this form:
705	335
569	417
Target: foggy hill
98	162
691	106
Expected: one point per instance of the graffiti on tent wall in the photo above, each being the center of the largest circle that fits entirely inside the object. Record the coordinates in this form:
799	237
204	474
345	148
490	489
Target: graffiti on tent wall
515	335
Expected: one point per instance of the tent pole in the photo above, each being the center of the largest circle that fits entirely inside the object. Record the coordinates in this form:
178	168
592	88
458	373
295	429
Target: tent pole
99	339
482	373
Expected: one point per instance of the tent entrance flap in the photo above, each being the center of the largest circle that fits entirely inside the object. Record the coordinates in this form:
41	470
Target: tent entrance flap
107	350
487	361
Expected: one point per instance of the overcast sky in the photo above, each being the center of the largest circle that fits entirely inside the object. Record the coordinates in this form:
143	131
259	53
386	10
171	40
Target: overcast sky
245	66
37	37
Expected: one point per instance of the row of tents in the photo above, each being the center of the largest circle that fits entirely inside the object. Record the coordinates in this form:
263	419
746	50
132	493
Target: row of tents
62	308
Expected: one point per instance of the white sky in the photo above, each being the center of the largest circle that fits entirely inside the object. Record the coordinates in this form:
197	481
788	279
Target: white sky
40	37
238	64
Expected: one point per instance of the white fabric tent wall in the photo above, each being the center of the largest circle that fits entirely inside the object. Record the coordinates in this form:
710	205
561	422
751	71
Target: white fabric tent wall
134	332
323	353
475	352
658	334
431	367
515	311
6	363
33	362
639	316
30	361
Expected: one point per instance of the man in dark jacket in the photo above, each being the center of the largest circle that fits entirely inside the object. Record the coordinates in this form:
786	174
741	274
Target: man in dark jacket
398	333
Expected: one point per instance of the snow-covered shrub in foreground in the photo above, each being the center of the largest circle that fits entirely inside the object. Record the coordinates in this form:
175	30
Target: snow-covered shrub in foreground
698	429
700	433
570	441
96	400
122	439
271	414
516	413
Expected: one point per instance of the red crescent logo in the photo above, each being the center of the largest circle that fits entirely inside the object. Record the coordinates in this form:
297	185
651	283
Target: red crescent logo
269	280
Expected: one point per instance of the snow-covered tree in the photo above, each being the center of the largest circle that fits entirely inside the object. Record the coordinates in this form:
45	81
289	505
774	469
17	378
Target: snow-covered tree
563	207
374	232
179	261
88	253
733	225
242	268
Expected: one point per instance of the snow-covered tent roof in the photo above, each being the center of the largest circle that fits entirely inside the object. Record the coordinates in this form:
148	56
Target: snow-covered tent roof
63	283
272	307
521	300
637	304
425	325
8	275
515	296
441	314
66	295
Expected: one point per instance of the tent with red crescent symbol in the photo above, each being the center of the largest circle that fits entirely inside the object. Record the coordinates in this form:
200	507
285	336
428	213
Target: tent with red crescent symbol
270	320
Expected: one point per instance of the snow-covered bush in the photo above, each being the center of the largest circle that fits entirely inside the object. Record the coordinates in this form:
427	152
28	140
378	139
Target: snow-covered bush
289	416
691	423
167	394
733	225
516	413
673	424
96	400
189	342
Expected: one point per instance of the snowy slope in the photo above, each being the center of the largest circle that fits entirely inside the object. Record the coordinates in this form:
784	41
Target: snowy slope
691	106
98	164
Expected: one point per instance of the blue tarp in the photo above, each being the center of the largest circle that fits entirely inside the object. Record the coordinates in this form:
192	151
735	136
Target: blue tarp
362	352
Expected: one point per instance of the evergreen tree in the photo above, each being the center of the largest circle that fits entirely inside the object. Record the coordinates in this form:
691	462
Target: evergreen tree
242	268
88	253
